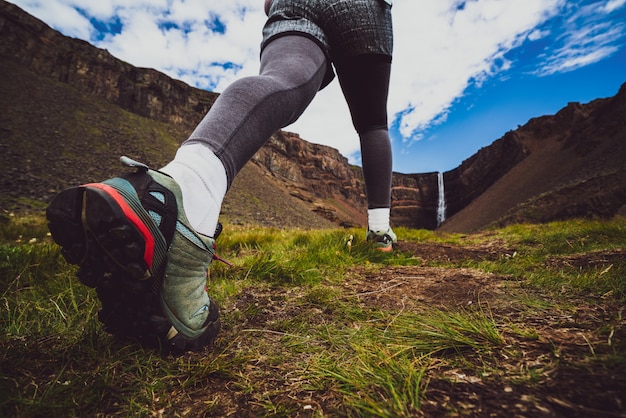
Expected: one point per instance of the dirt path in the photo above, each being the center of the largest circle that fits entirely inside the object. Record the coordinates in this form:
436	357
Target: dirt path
555	361
557	372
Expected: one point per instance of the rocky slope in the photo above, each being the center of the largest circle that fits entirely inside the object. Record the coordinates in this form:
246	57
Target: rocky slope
68	111
572	164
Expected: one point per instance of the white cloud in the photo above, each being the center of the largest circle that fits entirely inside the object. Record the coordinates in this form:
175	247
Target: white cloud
614	5
59	15
185	41
587	37
440	50
538	34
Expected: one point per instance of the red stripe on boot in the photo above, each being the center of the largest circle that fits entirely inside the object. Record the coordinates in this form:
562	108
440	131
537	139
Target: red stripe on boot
148	255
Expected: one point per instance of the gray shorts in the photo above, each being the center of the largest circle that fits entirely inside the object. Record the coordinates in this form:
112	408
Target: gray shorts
342	28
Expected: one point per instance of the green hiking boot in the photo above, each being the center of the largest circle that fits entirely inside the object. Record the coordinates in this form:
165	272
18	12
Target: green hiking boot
382	240
133	243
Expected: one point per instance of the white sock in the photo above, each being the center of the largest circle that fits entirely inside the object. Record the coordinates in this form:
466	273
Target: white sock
202	179
378	219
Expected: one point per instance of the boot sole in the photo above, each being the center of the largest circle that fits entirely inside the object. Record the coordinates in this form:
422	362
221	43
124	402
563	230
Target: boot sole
99	232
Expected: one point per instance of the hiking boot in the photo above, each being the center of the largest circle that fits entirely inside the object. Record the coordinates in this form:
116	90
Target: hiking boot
133	243
383	240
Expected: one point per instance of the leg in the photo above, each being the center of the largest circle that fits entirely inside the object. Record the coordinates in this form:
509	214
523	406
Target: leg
365	82
253	108
242	119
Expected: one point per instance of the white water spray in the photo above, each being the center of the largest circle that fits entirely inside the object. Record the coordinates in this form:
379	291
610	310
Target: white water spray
441	205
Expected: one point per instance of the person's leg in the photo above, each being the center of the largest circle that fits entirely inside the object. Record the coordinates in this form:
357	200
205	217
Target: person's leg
376	159
365	83
242	119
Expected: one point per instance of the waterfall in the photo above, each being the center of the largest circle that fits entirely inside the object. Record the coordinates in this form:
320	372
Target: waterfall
441	205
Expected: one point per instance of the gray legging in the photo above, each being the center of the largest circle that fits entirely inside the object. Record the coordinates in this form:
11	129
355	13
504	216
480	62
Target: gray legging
292	71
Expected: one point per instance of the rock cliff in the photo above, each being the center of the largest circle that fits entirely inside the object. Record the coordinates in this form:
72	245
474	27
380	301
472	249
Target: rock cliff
317	175
30	42
568	165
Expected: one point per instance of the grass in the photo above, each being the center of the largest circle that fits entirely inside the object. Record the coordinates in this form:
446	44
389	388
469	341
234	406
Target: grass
299	340
549	255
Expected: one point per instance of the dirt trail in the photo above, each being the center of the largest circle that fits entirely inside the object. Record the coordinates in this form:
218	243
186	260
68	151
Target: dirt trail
555	360
565	378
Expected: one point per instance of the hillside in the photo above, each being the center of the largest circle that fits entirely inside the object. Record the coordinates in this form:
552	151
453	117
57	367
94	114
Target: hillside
69	110
572	164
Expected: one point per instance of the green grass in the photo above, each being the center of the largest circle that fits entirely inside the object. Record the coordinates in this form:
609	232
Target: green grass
297	339
544	252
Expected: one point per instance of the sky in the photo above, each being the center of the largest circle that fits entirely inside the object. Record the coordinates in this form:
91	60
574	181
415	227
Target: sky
464	72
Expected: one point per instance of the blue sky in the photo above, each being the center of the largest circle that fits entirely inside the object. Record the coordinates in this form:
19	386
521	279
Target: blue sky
464	72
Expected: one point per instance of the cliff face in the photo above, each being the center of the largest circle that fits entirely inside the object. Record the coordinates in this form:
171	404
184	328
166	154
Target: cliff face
416	196
414	200
70	109
481	171
316	175
29	42
573	165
